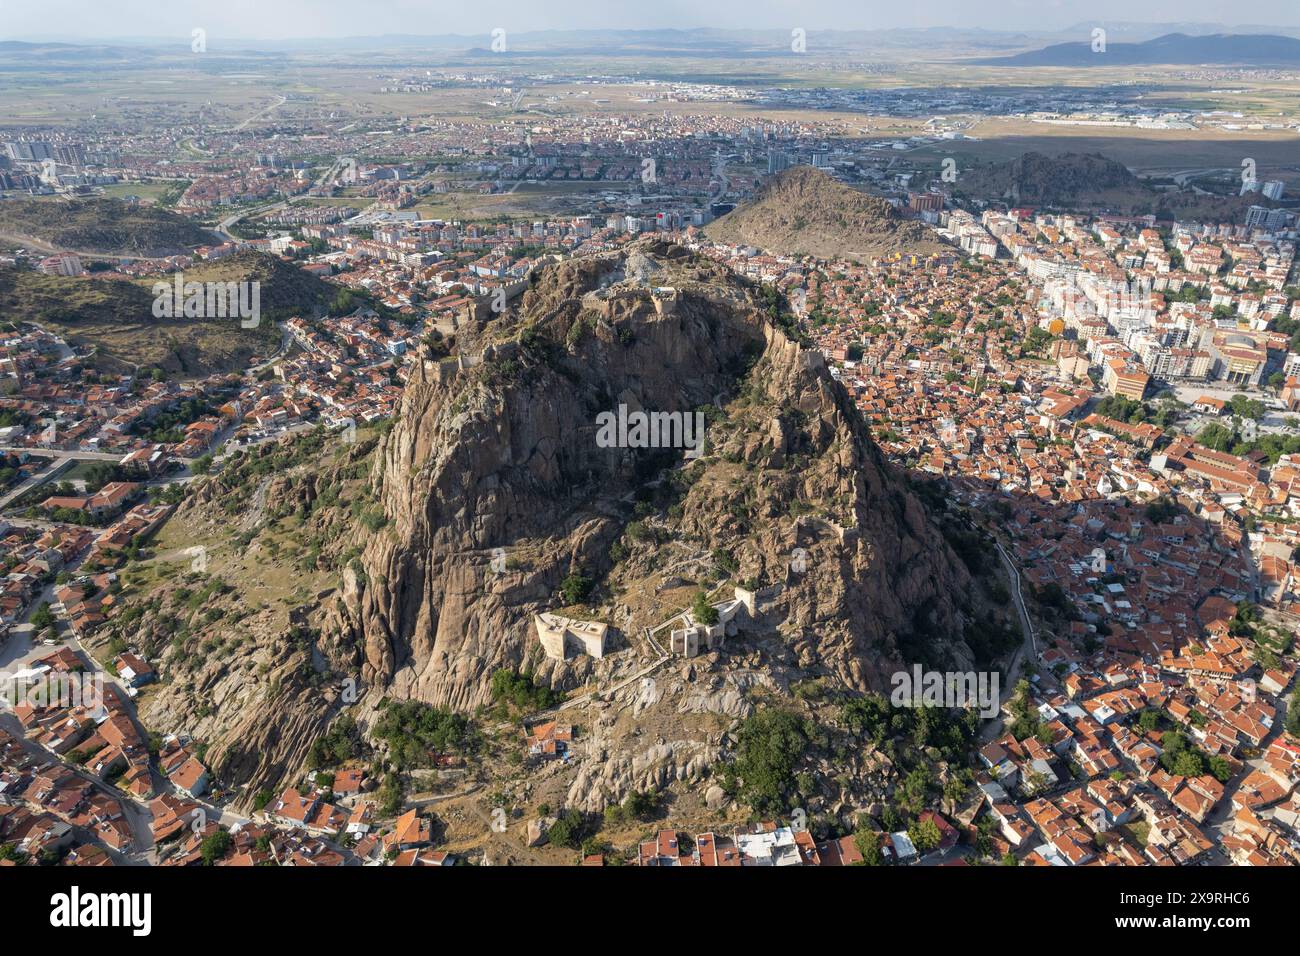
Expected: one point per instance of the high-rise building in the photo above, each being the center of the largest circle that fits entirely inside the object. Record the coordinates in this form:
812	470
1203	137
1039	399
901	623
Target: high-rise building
32	152
63	264
71	154
1273	189
925	202
1270	220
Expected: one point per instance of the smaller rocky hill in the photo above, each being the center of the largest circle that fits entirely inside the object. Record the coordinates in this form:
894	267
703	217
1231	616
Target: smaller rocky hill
110	226
804	211
1093	182
1036	178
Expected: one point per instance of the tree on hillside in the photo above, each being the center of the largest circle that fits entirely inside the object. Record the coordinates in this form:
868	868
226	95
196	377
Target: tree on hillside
702	611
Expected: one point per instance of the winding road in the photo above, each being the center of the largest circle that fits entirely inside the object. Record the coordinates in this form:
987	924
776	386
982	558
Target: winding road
993	728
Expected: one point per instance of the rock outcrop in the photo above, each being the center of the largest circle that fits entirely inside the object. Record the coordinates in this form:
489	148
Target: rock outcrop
805	211
495	487
245	666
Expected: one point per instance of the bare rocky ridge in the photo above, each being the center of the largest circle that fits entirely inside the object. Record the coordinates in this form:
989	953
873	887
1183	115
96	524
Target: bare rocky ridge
804	211
496	449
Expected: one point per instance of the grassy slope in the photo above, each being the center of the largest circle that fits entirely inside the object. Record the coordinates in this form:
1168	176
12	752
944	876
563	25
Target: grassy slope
102	225
116	316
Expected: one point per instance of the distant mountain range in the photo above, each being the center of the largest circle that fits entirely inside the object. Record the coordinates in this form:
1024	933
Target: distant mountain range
1247	44
1258	49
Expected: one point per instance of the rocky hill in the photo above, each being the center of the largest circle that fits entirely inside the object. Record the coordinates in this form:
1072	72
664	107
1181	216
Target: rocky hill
111	226
115	317
1091	181
501	453
286	290
804	211
407	567
1038	179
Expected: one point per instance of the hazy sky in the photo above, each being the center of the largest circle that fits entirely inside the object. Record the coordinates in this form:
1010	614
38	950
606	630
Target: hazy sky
278	19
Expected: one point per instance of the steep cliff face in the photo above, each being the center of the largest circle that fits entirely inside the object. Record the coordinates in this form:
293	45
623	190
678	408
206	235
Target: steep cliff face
497	449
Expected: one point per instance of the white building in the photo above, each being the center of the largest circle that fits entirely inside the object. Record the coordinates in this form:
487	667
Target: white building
769	848
560	635
687	641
